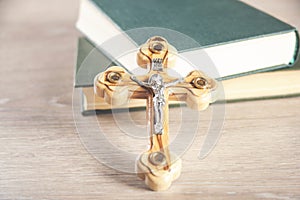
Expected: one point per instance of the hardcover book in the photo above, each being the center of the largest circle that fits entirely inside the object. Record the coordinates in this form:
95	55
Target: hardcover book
238	38
273	84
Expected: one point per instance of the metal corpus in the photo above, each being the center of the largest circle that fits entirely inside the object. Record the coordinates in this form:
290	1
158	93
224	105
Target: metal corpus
157	87
157	166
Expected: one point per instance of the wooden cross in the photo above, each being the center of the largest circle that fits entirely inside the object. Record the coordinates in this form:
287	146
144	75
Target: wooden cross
158	167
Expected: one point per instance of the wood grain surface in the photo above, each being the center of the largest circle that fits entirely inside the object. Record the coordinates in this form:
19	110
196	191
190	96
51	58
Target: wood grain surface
41	154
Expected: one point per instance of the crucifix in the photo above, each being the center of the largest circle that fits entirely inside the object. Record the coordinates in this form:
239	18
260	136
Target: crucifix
158	166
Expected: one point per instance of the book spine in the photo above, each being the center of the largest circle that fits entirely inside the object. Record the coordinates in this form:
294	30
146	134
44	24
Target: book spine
296	55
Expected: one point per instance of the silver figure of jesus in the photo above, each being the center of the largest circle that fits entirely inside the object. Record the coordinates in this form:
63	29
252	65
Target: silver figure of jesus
157	86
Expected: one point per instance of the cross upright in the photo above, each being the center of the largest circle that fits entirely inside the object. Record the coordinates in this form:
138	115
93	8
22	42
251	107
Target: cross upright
158	167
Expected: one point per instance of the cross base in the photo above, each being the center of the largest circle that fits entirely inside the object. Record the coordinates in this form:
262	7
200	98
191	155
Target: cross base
156	177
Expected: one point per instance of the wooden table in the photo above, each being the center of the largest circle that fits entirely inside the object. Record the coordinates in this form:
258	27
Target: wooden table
42	157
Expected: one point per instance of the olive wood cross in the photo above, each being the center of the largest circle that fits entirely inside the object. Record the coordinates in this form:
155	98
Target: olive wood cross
158	167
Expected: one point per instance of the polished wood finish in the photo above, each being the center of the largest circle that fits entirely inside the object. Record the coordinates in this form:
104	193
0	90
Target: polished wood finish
117	87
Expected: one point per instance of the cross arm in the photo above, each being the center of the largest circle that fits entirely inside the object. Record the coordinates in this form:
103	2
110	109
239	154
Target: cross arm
141	83
196	89
116	86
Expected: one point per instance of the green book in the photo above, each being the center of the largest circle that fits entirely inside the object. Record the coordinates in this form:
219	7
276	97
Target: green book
272	84
238	39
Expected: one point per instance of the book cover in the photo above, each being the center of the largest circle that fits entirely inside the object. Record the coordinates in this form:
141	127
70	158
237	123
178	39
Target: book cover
238	38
